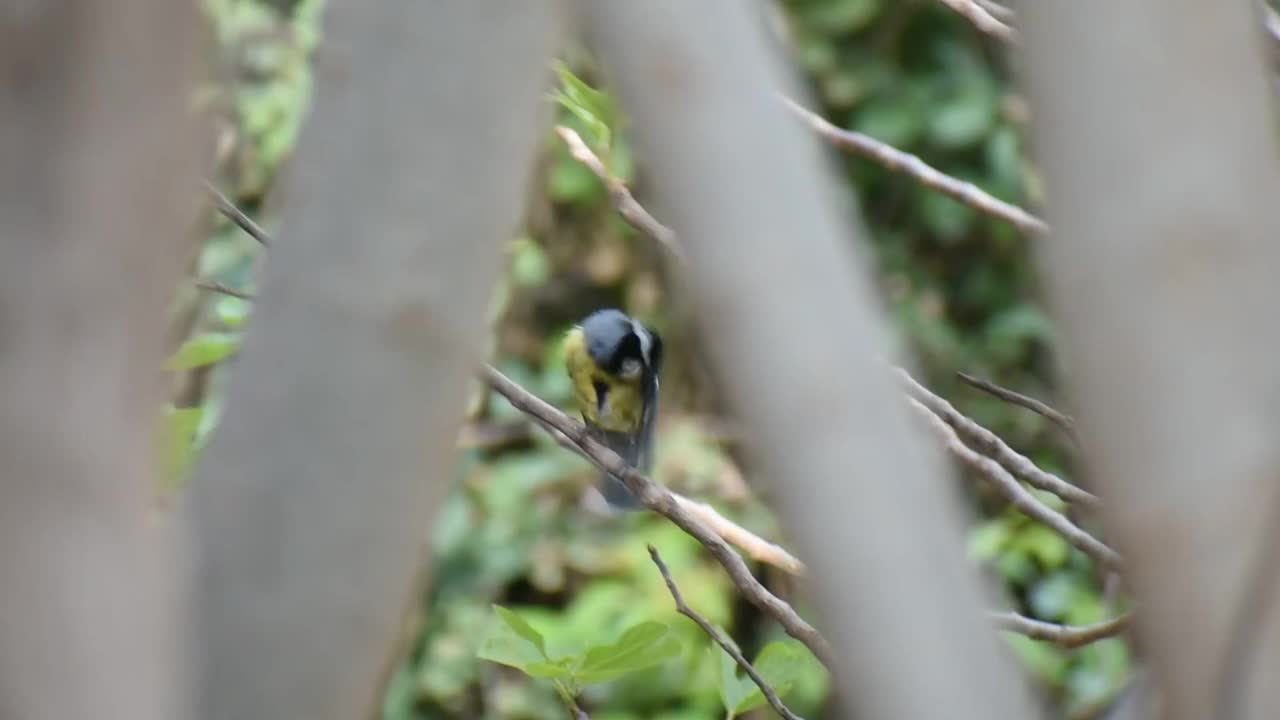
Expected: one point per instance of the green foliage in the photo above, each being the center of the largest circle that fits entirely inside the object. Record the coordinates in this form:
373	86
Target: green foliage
595	109
203	350
179	444
514	642
781	664
960	286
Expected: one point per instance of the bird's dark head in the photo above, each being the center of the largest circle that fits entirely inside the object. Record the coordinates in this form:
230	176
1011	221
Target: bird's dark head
621	345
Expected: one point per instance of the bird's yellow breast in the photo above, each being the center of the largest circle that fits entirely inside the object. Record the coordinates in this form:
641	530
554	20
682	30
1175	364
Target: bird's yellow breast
623	408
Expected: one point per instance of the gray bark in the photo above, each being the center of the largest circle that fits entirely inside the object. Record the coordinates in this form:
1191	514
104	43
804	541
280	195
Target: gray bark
97	187
314	502
794	330
1155	131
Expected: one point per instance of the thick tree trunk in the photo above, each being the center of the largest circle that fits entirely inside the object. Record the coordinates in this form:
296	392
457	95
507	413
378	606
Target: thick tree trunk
1158	144
792	326
97	190
314	502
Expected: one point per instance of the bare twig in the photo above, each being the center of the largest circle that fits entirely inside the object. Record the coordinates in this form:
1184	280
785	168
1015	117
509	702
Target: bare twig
991	444
224	290
897	160
1013	491
982	19
660	500
1061	419
714	633
626	204
1064	636
996	10
236	215
1271	21
753	545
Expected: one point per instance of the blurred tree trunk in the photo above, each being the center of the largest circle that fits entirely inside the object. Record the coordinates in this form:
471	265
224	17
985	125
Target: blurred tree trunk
1158	145
314	502
96	199
792	326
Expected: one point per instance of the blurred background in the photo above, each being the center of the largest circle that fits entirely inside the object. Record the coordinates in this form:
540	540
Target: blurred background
959	285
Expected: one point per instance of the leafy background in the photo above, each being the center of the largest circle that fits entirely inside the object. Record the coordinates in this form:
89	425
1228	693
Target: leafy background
515	531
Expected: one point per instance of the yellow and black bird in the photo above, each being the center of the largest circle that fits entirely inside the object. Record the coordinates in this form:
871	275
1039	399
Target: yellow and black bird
614	361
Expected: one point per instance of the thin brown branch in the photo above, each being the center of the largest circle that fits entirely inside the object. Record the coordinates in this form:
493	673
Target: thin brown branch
991	444
1064	636
899	161
660	500
714	633
1008	486
753	545
982	19
236	215
626	204
224	290
1061	419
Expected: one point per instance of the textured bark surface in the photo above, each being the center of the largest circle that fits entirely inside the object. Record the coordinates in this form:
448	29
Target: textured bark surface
1156	134
795	332
315	499
96	197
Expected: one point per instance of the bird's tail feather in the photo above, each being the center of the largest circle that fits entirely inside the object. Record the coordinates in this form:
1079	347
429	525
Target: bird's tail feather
630	448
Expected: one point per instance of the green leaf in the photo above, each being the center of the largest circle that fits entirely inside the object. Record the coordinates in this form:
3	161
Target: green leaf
641	646
896	118
205	349
780	664
1042	659
733	688
947	218
965	118
1045	545
177	441
594	108
232	311
522	628
837	17
515	643
530	266
988	539
572	182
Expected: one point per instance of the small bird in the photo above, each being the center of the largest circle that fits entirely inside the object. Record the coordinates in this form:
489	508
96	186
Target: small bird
614	362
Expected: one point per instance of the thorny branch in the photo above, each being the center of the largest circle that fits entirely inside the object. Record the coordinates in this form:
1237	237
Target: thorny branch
683	608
